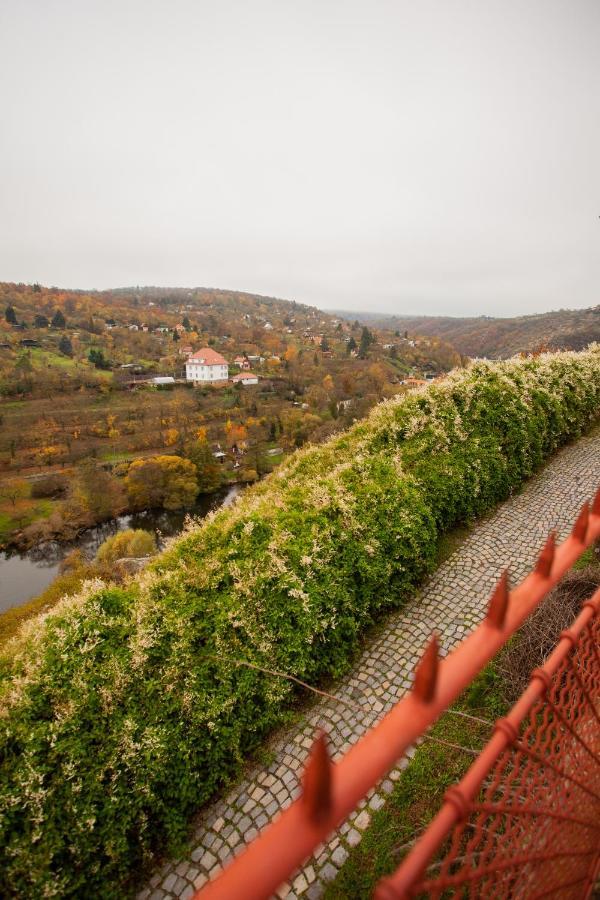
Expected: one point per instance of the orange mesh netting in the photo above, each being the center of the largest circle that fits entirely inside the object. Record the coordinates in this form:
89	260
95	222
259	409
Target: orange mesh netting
525	820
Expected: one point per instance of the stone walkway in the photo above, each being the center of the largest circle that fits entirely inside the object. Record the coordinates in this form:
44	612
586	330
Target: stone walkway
452	602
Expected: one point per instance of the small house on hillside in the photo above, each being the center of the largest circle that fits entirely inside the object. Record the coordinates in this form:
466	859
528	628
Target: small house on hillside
206	366
242	361
245	378
414	382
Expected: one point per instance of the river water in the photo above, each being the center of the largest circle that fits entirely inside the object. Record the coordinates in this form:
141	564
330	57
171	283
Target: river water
25	575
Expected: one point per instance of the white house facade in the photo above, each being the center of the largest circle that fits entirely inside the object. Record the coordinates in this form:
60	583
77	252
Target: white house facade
245	378
206	366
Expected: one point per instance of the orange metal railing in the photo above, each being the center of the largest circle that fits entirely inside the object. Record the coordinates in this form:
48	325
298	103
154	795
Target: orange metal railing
332	791
525	819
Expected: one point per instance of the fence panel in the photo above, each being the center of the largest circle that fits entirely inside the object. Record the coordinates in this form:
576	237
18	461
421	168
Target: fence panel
525	819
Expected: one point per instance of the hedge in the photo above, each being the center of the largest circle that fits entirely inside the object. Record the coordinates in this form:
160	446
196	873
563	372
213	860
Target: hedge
124	709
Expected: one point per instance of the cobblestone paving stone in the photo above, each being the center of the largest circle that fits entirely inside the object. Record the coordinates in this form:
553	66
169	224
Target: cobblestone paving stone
452	603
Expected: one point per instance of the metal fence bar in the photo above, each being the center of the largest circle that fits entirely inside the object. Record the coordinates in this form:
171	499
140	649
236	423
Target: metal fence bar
332	791
459	801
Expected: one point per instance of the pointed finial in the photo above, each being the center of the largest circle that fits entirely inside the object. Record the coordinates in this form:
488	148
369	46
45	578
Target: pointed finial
499	602
546	557
316	783
426	672
581	524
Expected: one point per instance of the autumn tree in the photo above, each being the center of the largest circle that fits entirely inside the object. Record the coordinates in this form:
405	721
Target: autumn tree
291	354
328	385
94	494
40	321
167	481
209	474
235	434
377	376
17	489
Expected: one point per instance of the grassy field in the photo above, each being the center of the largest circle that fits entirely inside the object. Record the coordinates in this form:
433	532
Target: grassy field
45	358
23	512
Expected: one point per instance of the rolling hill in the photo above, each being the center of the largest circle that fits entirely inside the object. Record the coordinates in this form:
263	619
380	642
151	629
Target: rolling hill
568	329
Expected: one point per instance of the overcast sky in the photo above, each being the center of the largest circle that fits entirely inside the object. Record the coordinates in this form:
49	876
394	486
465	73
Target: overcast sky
405	156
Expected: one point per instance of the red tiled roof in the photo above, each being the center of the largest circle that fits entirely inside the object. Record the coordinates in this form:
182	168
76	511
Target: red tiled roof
244	375
208	357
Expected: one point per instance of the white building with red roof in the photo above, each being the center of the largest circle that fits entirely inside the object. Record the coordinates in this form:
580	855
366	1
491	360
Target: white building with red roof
245	378
206	366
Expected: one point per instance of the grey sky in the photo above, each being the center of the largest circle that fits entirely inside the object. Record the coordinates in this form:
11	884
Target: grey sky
407	156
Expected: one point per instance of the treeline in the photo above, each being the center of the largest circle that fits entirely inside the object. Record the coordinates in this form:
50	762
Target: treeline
127	707
93	493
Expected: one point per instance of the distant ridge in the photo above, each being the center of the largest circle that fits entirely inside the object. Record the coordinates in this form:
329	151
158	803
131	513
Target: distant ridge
567	329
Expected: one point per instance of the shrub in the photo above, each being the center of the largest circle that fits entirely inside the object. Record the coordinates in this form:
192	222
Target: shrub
134	542
49	486
126	707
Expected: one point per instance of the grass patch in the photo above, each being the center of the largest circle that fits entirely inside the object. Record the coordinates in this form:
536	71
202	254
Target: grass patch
48	358
418	794
24	512
586	559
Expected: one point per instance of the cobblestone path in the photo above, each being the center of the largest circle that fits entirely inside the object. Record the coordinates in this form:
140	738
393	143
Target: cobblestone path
452	602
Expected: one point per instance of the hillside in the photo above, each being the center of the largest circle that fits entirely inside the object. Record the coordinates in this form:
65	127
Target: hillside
76	384
494	338
128	706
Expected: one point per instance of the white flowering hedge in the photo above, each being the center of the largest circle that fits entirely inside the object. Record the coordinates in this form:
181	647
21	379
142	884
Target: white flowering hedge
123	709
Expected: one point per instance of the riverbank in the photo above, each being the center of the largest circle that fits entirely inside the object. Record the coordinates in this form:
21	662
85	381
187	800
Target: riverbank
22	540
30	581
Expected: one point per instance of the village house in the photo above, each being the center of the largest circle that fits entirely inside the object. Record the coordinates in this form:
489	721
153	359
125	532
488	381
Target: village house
206	366
186	351
242	361
245	378
413	382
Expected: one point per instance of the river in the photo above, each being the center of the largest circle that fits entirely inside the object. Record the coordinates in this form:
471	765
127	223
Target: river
25	575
